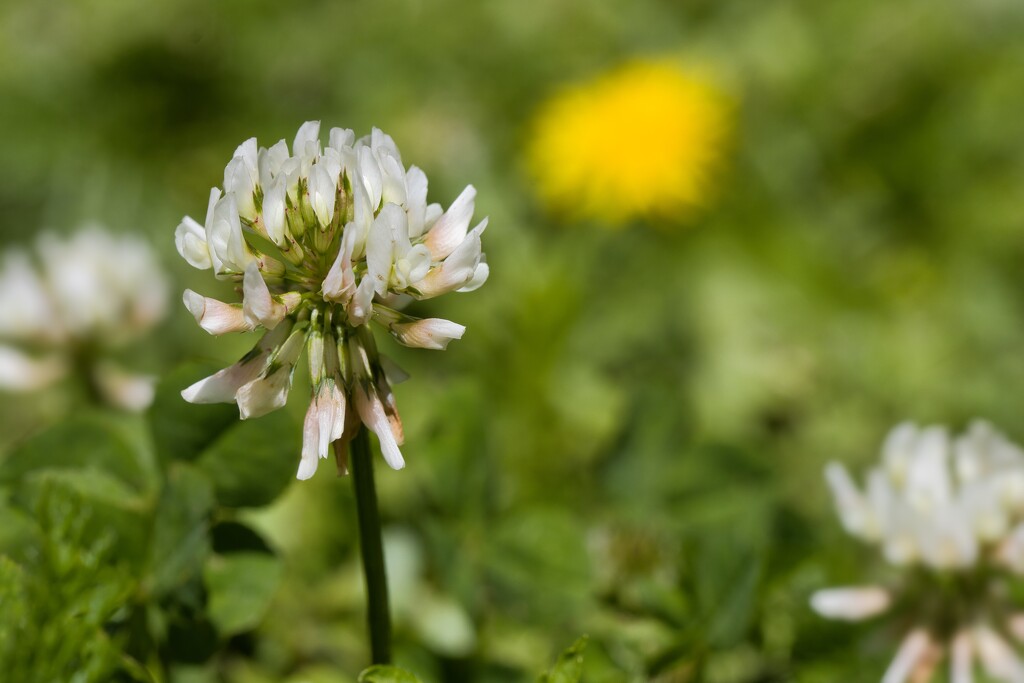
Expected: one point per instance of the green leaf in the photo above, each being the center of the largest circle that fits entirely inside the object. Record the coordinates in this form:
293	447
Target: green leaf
727	571
181	429
253	461
92	442
103	461
381	673
240	586
180	540
569	667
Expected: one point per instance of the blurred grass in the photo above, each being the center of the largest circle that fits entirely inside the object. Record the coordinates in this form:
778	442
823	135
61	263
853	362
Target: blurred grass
628	442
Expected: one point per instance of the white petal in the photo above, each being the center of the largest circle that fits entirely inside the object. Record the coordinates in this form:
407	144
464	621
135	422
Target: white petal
450	229
190	239
222	385
307	468
125	390
216	317
850	503
322	193
371	412
429	333
898	449
341	138
258	306
340	283
960	655
382	142
274	211
307	140
269	391
360	306
380	246
270	161
416	200
912	651
928	477
369	171
228	250
26	309
480	275
851	604
393	177
241	179
21	372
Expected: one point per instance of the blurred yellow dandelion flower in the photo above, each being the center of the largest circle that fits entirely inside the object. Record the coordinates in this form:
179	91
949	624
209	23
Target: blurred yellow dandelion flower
674	123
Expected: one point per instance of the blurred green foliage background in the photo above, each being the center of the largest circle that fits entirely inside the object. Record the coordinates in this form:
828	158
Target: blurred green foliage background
627	443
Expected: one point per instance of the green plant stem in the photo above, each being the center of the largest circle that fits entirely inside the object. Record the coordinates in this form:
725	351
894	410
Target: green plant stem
372	548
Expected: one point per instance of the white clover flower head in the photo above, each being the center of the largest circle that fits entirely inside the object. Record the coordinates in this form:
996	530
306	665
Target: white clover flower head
323	241
72	301
949	512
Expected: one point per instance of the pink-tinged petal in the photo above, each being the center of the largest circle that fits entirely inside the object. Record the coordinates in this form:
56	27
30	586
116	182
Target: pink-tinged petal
310	442
324	424
851	604
912	652
457	270
450	229
21	372
429	333
371	412
1015	626
216	317
997	657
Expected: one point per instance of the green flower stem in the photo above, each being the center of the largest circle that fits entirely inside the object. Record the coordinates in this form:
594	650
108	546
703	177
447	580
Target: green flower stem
377	615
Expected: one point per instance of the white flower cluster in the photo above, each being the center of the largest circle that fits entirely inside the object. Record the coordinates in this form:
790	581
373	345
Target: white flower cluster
325	240
81	297
954	508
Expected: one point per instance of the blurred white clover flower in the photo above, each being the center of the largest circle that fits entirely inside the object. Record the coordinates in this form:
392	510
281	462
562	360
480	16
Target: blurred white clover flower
324	240
66	307
950	513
